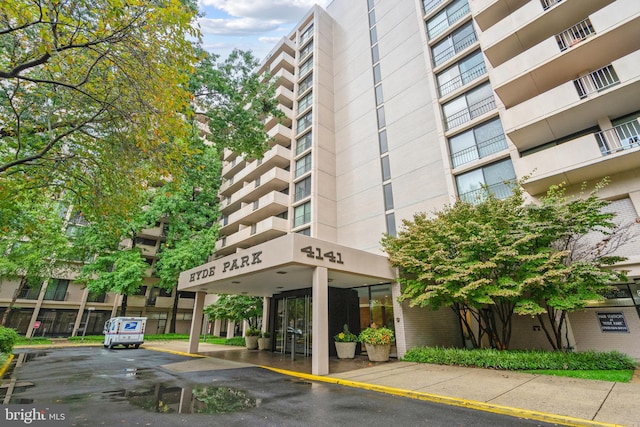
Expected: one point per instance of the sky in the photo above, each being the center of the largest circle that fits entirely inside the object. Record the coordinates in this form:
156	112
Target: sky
254	25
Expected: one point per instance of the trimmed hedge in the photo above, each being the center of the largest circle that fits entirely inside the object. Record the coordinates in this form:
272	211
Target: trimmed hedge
8	338
521	359
237	341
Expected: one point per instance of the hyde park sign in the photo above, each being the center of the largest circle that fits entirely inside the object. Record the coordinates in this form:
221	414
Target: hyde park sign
237	263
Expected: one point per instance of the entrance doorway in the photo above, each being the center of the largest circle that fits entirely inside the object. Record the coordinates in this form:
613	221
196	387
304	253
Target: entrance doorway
293	324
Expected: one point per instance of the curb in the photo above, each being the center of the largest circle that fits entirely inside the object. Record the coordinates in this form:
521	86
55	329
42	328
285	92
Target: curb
179	353
4	367
452	401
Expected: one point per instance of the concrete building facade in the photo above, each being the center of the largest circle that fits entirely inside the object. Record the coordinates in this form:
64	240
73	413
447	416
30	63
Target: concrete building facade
399	106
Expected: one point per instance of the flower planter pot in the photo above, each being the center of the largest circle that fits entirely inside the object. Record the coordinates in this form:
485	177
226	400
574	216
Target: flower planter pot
378	352
346	350
264	343
251	342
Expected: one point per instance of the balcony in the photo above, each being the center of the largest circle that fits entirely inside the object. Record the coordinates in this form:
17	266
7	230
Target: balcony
278	156
272	121
462	79
577	161
479	150
455	48
284	96
282	61
435	28
546	65
530	25
625	136
533	122
29	293
284	46
232	167
489	12
284	78
471	112
229	155
275	179
430	6
501	190
268	205
281	135
260	232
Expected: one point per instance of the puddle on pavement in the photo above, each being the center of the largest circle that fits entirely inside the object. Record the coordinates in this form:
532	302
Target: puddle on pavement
186	400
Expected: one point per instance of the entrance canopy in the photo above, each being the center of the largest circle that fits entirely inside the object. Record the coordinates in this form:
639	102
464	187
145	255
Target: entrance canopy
286	263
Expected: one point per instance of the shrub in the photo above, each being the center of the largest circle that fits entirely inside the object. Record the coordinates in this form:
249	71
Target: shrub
252	332
238	341
346	336
521	359
8	338
266	334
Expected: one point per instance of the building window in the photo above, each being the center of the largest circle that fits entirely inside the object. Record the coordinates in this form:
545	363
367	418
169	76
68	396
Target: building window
430	4
302	189
305	102
481	141
304	122
305	84
305	232
306	50
388	197
382	121
305	67
496	178
375	54
377	76
56	290
374	35
303	143
306	34
379	97
468	106
390	219
447	17
455	42
302	214
464	71
382	137
386	168
303	165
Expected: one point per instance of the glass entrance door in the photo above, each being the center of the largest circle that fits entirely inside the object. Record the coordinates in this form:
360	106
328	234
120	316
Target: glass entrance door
293	325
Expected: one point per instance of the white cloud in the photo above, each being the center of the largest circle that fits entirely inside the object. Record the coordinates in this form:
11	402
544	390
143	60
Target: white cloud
240	26
280	10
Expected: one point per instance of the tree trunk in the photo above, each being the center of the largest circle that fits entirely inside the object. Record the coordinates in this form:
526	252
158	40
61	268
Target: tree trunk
5	316
123	307
174	313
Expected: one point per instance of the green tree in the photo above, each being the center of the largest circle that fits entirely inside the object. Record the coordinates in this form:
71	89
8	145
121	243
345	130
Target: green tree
91	99
236	308
46	252
490	260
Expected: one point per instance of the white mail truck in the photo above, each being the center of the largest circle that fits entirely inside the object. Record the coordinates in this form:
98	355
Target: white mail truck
126	331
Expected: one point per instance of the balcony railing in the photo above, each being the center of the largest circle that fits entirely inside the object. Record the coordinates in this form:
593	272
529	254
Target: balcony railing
451	18
29	293
454	49
622	137
546	4
470	113
429	5
574	35
462	79
596	81
479	150
501	190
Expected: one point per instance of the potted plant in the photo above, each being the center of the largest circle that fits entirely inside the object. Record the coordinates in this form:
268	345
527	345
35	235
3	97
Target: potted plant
264	341
251	338
377	342
346	343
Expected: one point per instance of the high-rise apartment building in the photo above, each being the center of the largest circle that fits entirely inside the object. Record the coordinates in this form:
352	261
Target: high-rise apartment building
399	106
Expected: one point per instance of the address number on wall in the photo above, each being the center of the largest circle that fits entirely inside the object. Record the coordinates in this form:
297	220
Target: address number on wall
318	253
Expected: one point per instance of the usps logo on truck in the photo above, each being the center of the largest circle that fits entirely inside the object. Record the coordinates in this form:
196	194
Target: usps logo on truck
130	326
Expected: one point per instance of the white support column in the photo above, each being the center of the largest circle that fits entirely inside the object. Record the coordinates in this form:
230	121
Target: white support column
231	326
320	321
266	302
196	322
217	325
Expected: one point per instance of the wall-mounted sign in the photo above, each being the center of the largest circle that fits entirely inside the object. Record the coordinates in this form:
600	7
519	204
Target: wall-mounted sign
320	254
612	322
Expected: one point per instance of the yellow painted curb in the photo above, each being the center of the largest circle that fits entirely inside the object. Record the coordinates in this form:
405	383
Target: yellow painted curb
453	401
4	368
179	353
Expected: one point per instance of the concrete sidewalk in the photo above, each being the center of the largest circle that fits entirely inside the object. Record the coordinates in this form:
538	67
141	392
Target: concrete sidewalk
565	401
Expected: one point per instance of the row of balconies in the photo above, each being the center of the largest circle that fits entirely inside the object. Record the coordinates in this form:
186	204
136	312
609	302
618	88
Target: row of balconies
604	153
278	156
577	104
275	179
262	231
271	204
589	44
